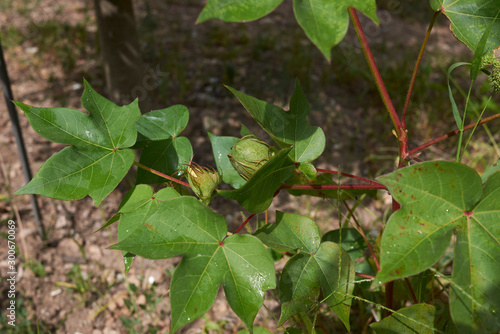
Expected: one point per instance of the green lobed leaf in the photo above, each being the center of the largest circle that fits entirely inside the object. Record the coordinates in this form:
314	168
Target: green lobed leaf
237	10
290	232
75	172
437	198
169	157
184	226
432	199
435	4
287	128
258	192
354	244
329	269
164	235
324	266
136	207
221	147
350	239
162	124
475	292
325	22
96	162
308	170
417	318
471	18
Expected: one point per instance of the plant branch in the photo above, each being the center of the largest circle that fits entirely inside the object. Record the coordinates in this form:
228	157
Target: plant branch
364	275
415	300
400	130
417	65
333	186
244	223
347	175
449	134
389	296
360	230
165	176
253	214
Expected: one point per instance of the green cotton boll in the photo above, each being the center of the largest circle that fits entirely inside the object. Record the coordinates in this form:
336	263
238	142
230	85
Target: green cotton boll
491	64
203	181
495	78
249	154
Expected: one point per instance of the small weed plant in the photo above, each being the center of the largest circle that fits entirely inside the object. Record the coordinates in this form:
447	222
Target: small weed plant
435	267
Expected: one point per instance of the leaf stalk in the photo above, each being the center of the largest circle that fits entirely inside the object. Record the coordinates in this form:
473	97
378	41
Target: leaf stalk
333	186
165	176
347	175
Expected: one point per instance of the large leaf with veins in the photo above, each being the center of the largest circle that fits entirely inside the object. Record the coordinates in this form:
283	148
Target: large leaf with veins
97	160
240	263
287	128
316	266
469	19
438	198
325	22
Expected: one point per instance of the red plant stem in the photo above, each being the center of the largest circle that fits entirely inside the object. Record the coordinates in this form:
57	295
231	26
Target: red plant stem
364	275
448	135
360	230
333	186
415	70
400	130
346	175
244	223
151	170
415	300
253	214
389	296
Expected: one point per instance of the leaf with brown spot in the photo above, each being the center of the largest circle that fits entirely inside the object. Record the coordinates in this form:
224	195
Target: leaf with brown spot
446	197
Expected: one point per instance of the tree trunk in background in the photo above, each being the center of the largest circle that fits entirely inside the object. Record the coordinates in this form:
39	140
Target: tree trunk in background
120	50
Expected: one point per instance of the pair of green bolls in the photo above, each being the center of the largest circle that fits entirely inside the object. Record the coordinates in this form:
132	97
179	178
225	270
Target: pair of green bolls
247	156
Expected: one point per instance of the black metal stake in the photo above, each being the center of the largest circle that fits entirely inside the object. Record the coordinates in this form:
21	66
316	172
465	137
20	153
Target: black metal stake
21	149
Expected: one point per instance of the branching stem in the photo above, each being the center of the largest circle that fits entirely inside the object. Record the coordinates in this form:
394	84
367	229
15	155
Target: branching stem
415	300
347	175
449	134
170	178
400	130
365	275
360	230
244	223
417	65
333	186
